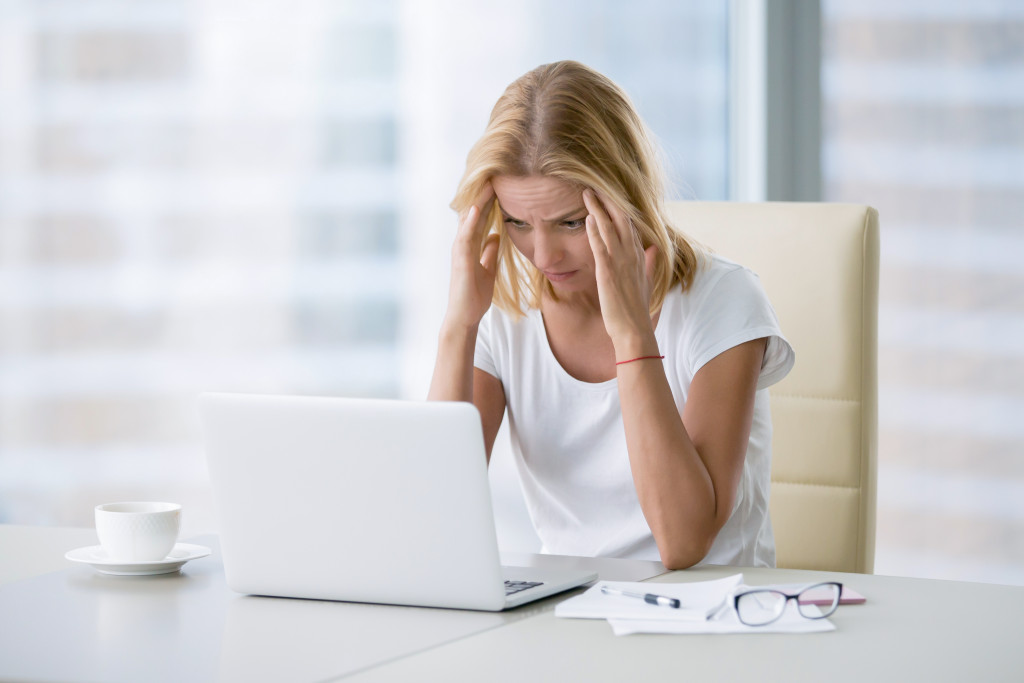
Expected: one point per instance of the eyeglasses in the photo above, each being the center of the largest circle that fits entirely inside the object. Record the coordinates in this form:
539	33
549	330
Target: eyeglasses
760	607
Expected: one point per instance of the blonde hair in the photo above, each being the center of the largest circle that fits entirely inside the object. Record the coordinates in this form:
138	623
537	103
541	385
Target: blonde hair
565	120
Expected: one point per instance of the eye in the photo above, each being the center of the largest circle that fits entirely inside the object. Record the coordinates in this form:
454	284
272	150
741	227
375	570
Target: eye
575	224
515	223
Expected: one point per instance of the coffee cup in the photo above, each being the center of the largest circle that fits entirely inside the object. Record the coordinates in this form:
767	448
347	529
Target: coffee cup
138	532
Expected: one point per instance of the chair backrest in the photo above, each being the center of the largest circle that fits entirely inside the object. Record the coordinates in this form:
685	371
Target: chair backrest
819	265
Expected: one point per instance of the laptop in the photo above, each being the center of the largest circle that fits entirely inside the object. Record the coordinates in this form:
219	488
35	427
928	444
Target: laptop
361	500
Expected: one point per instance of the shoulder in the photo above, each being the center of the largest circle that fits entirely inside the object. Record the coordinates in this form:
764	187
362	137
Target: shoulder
717	282
720	273
725	306
500	329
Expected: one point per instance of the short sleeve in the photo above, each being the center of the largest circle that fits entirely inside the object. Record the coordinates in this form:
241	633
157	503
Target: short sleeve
731	311
483	355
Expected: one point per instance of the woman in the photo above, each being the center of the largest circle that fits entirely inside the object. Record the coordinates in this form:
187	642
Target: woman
633	367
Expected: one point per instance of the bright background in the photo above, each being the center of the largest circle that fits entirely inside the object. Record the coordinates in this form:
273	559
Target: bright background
252	196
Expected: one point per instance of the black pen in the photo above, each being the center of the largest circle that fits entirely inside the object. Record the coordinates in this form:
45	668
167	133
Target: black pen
649	598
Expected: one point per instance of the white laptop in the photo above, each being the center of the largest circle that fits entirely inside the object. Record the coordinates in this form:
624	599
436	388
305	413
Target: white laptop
362	500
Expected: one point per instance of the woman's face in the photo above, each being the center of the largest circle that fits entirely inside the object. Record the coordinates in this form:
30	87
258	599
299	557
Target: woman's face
545	219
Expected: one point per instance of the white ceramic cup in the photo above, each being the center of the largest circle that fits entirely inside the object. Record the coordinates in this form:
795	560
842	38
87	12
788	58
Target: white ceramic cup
138	532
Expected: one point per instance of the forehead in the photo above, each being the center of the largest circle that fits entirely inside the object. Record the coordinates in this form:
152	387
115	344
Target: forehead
534	196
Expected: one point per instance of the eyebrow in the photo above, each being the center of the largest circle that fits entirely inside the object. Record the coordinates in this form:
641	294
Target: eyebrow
561	219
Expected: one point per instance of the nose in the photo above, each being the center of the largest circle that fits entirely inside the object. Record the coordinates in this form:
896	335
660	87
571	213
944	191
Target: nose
547	250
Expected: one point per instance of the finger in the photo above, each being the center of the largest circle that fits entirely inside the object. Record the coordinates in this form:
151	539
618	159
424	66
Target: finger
638	245
468	222
485	194
468	241
483	203
485	200
619	217
650	259
597	243
602	220
620	222
627	231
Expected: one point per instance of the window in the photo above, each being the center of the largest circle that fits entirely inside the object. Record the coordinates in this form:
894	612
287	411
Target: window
923	118
253	197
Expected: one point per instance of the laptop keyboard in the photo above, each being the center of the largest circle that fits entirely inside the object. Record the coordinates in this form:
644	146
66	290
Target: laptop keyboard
516	586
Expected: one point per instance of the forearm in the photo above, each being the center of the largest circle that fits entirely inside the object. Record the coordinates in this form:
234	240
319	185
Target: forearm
453	368
687	467
673	484
474	267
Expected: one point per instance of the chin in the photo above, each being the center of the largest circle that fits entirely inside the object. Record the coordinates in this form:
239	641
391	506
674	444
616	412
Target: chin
573	286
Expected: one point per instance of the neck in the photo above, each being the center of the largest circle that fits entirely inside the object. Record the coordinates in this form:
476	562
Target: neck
585	303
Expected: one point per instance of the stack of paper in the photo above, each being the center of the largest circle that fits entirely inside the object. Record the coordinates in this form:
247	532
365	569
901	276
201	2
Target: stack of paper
705	607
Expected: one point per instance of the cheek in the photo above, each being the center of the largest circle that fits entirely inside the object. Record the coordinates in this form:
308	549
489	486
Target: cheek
521	242
583	250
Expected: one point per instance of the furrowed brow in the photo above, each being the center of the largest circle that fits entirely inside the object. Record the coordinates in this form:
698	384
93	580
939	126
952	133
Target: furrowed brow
569	215
560	219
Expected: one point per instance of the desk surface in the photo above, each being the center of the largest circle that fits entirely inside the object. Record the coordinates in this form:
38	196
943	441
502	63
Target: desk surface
65	622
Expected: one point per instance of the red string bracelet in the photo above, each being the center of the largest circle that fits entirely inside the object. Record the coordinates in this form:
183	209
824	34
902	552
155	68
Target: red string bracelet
623	362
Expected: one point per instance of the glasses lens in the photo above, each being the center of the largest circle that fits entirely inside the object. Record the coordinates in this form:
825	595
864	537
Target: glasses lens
819	601
760	607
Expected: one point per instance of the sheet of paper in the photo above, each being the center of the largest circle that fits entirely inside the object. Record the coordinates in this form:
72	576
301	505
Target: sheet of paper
790	622
698	600
706	609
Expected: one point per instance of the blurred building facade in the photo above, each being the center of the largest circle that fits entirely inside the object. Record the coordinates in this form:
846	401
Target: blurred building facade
923	112
212	195
193	196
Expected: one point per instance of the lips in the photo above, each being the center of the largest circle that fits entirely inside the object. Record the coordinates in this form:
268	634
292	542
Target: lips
559	277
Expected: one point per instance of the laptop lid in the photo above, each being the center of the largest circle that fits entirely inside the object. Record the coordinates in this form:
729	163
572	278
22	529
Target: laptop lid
363	500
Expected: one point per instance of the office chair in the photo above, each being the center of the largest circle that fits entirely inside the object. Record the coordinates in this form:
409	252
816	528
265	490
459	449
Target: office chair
819	265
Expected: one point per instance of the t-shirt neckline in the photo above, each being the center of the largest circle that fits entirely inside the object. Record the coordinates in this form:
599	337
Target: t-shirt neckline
538	317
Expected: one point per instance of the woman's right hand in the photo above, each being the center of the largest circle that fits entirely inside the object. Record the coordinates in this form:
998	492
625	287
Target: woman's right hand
474	264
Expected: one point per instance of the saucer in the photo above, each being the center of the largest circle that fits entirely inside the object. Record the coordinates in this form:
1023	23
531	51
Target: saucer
96	556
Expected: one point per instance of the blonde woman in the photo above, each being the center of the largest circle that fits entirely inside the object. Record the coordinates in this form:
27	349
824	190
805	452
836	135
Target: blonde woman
632	365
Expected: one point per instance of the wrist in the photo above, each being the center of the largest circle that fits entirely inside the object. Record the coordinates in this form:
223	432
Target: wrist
636	346
458	331
638	358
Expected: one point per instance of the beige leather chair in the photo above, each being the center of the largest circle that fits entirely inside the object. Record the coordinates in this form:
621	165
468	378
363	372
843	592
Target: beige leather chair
819	265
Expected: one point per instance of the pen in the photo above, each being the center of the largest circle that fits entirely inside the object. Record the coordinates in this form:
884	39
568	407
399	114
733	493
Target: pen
649	598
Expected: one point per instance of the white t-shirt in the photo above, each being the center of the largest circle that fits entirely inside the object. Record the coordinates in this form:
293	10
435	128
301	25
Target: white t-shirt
569	443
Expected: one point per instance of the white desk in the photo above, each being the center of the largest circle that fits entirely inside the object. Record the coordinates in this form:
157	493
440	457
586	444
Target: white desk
75	624
62	621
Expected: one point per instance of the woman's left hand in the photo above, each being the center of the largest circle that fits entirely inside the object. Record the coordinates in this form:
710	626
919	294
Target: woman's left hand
624	275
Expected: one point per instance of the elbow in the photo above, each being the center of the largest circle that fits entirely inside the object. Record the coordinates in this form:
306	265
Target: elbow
676	561
676	564
683	555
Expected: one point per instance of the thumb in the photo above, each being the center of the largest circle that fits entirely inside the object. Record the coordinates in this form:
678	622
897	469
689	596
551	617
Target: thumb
489	257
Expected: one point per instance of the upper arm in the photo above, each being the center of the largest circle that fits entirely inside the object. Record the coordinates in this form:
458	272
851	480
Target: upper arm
718	415
489	399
